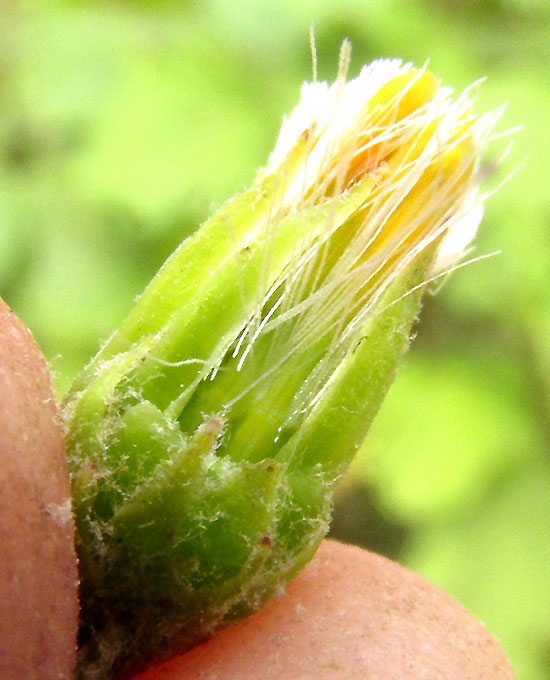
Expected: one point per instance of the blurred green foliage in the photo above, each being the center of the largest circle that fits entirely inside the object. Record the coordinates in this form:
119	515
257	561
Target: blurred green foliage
123	123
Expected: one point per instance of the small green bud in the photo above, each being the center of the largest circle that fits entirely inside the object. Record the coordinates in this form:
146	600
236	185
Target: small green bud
207	435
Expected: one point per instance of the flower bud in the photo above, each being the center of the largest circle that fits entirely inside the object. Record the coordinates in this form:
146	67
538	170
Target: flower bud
207	435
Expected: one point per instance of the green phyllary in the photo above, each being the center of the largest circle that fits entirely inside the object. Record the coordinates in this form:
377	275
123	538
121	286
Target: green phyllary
207	435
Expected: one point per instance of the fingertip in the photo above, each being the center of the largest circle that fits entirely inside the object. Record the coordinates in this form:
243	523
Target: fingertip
38	572
349	614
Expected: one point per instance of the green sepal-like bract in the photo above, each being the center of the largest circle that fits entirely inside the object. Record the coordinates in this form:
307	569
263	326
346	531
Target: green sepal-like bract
204	538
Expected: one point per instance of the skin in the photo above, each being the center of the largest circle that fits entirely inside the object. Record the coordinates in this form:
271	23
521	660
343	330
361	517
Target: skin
349	614
38	574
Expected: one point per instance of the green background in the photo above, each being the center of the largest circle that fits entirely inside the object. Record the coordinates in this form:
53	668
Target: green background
122	124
